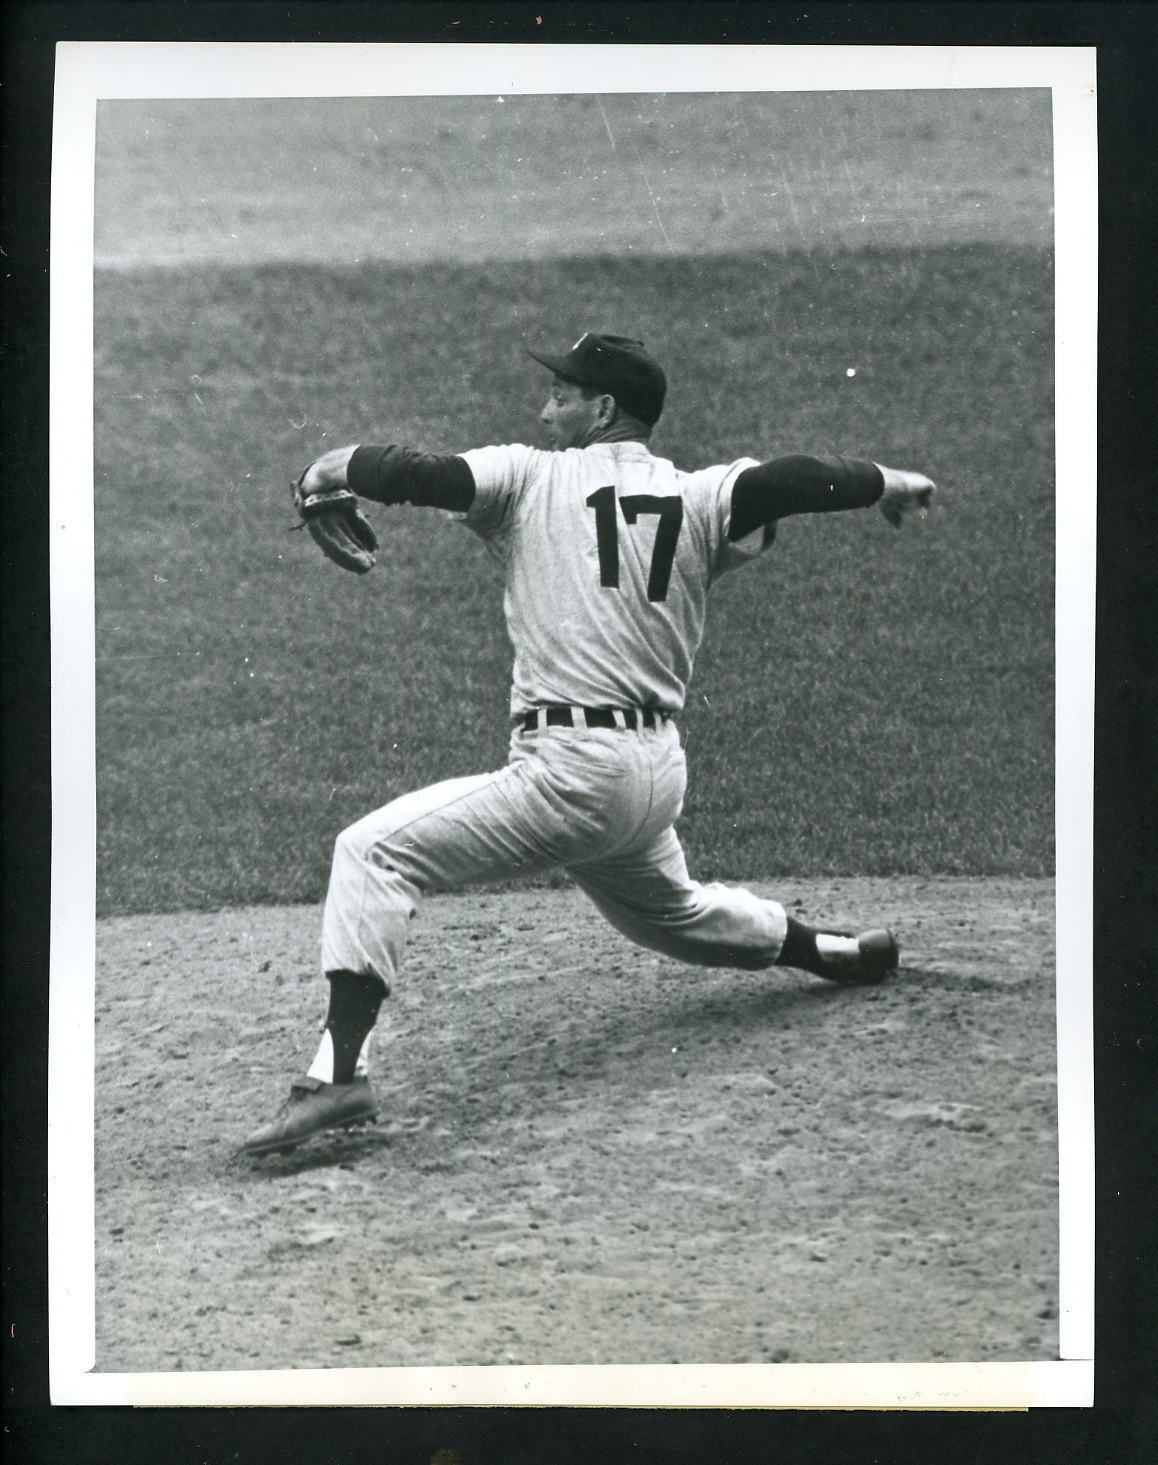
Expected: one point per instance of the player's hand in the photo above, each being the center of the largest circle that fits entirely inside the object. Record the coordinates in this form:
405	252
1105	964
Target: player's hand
328	471
905	494
329	510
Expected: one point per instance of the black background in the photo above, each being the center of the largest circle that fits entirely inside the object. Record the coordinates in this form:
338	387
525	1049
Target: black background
1122	1427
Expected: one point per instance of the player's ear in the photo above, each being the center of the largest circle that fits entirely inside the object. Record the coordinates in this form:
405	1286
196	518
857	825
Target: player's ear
608	409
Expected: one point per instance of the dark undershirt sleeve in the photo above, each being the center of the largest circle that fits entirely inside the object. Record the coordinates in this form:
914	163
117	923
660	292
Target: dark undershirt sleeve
397	475
801	485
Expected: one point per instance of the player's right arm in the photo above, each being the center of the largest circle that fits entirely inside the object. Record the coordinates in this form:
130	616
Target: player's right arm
481	485
394	475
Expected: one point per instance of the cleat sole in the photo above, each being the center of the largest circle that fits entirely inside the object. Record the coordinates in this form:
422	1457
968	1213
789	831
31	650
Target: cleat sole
287	1149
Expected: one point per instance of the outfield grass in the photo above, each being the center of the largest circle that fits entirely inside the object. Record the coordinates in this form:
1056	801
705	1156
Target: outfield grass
507	177
865	702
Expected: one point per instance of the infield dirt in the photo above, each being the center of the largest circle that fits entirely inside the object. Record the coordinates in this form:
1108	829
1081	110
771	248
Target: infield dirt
586	1153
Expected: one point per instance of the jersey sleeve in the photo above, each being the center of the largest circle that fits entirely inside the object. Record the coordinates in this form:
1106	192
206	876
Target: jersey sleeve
801	485
393	474
501	476
708	495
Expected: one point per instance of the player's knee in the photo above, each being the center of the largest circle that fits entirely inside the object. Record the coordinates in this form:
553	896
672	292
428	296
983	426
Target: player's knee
352	846
364	845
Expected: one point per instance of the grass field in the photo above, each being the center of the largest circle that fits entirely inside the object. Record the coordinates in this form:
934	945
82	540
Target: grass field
865	701
519	177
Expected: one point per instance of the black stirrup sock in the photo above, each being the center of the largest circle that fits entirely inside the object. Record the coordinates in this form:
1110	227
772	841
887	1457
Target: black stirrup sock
799	949
355	998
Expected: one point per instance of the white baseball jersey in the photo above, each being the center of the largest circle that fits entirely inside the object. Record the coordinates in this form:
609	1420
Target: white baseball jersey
609	553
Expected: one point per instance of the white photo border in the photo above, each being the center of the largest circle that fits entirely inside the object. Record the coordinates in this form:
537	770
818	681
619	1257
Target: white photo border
88	72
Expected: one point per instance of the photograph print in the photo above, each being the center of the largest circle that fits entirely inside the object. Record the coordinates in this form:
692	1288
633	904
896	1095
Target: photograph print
507	952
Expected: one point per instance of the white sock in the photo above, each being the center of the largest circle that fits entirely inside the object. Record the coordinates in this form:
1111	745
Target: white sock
836	946
323	1065
362	1067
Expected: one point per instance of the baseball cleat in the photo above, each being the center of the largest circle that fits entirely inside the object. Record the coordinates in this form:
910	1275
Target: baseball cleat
876	955
313	1107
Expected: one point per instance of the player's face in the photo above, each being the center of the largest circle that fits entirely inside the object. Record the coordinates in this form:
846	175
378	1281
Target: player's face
568	416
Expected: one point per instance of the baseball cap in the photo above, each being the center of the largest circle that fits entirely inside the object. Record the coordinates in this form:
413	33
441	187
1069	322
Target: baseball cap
615	364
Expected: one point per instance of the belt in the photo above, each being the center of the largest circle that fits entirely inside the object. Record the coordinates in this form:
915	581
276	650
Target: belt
628	717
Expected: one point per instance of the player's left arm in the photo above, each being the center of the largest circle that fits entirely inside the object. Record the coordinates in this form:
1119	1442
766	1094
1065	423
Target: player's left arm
800	484
905	493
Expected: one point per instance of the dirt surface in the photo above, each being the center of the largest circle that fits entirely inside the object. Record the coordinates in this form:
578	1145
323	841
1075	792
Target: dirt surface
586	1154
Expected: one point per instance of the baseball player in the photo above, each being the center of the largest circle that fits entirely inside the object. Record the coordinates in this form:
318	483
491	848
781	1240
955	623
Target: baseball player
608	553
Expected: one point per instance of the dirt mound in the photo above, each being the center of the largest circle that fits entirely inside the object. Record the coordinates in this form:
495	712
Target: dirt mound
587	1154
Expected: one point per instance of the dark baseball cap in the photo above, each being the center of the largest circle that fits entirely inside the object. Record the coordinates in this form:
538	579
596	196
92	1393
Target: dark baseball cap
615	364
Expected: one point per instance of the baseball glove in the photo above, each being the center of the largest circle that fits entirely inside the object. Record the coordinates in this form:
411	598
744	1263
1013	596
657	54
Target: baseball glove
337	525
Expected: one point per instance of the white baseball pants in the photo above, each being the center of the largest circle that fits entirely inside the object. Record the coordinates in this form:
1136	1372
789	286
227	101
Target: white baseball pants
600	803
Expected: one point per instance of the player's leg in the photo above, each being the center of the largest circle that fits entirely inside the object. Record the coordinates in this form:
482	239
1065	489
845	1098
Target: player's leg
552	803
383	865
558	800
648	895
643	888
456	832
